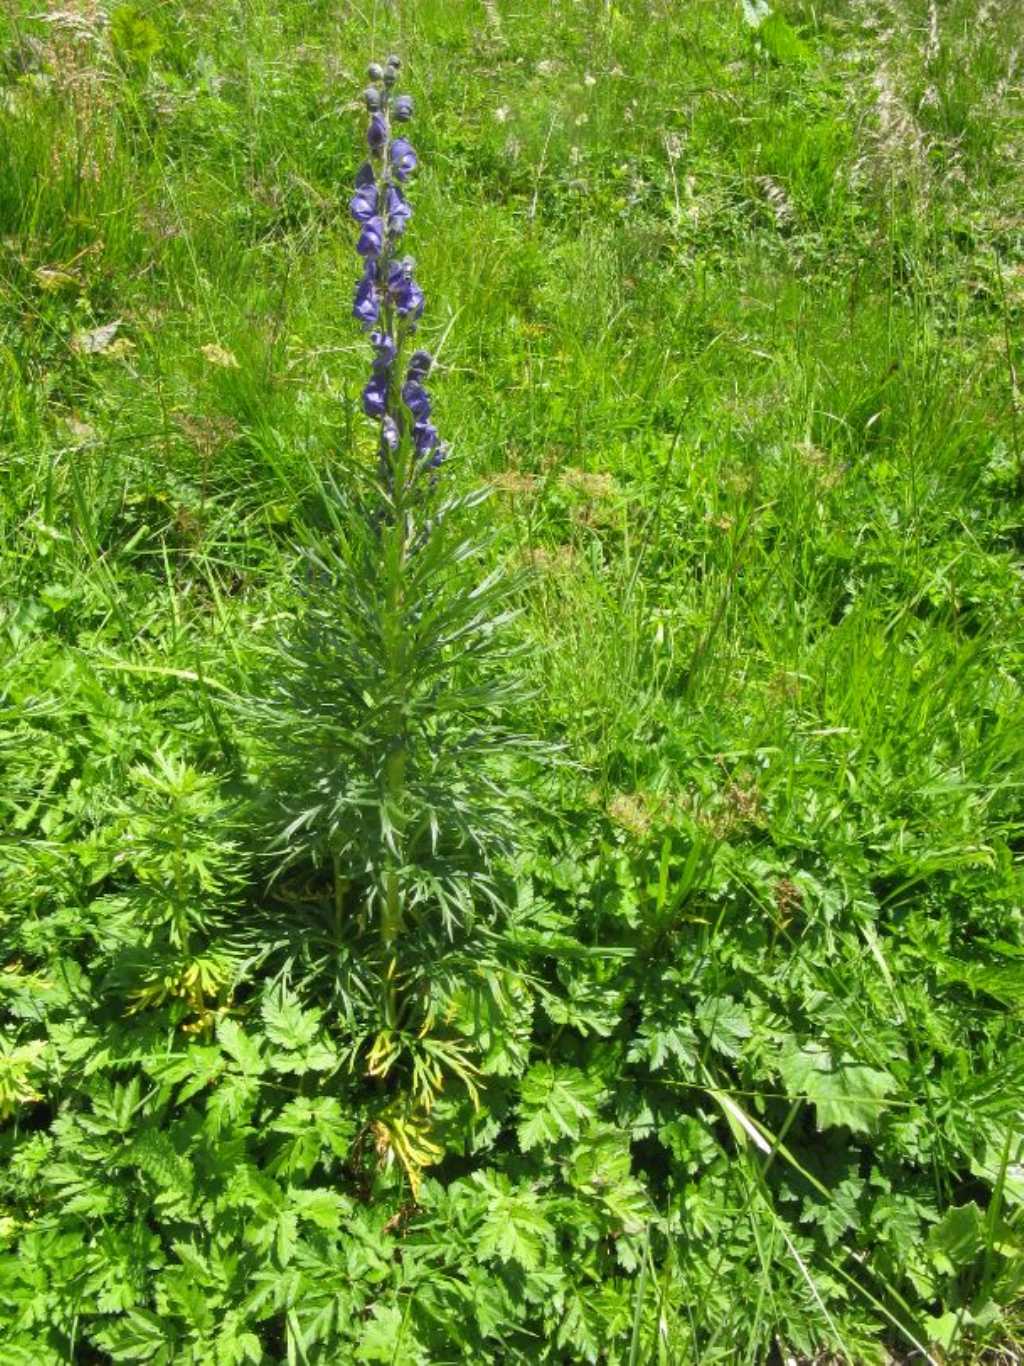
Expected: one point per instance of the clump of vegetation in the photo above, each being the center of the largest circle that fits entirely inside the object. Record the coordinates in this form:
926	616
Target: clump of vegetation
581	924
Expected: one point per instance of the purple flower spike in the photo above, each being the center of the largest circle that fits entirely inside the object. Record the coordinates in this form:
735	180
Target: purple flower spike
371	239
377	134
387	297
403	158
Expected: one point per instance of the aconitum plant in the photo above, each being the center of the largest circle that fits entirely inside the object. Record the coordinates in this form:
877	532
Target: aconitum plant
388	710
388	301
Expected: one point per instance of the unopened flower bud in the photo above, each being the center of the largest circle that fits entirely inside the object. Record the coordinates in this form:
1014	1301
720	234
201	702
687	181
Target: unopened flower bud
402	108
394	60
390	76
372	97
375	71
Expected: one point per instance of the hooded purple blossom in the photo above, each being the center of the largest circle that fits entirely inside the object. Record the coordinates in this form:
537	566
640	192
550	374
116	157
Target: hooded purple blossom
403	289
416	399
403	158
375	395
363	204
398	209
424	437
385	348
401	109
365	305
371	239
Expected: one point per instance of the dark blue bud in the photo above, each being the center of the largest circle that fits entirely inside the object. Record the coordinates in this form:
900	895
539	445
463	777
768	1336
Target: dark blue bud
402	108
375	71
372	98
377	134
419	365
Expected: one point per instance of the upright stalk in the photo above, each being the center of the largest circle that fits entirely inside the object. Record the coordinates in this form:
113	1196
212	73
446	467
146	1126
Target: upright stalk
389	301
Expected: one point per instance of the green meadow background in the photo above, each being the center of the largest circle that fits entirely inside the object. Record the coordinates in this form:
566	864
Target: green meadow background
727	301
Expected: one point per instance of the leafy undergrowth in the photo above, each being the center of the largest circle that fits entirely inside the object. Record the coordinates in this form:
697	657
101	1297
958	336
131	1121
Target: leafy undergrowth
727	304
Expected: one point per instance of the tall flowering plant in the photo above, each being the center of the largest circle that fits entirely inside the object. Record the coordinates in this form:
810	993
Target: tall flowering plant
387	714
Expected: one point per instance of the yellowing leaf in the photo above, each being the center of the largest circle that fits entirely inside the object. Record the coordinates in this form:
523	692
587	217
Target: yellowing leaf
97	340
220	355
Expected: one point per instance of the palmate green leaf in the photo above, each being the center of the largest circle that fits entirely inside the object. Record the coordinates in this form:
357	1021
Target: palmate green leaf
582	1329
154	1154
139	1335
240	1047
556	1103
839	1213
388	1337
310	1130
843	1092
724	1023
514	1227
286	1023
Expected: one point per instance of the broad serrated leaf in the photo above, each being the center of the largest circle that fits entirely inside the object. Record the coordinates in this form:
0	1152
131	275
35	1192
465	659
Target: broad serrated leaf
843	1092
556	1103
153	1153
514	1227
286	1023
242	1049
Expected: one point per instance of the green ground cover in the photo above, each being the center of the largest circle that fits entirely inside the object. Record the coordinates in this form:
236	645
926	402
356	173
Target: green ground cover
727	303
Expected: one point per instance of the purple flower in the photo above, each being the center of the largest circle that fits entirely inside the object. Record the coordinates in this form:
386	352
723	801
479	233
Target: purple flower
402	108
403	289
365	305
424	437
363	204
416	399
377	134
419	365
399	210
371	239
385	347
403	158
375	395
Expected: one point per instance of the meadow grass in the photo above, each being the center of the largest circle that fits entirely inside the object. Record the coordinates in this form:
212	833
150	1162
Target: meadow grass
727	311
